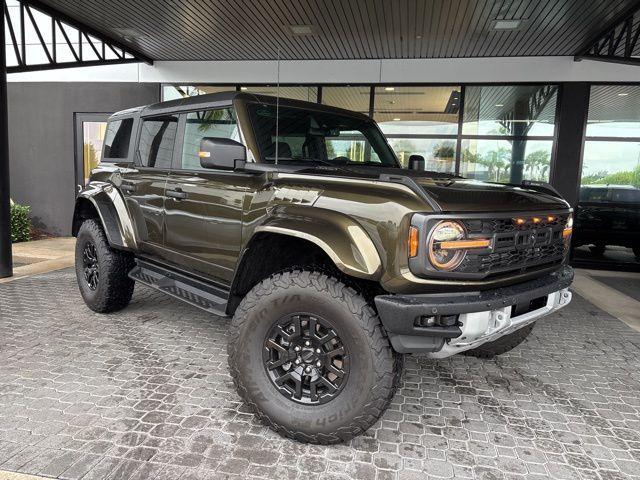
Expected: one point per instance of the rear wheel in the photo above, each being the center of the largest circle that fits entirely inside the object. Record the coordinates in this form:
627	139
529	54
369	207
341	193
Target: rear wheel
101	271
501	345
636	251
598	249
310	356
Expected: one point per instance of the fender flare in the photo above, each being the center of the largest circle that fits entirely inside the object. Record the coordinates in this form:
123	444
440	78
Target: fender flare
344	241
112	210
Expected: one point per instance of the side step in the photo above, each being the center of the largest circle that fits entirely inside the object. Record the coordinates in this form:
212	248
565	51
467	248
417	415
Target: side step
195	292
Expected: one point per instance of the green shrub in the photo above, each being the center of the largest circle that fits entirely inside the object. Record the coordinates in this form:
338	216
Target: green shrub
20	223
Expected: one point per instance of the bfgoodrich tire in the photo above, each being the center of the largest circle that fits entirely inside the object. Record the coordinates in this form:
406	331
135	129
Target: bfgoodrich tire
102	271
310	356
501	345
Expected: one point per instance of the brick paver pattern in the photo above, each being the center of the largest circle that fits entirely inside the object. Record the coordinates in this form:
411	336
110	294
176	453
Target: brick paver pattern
145	393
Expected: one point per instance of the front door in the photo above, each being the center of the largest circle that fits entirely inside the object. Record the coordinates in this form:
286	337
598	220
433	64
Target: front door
204	206
144	185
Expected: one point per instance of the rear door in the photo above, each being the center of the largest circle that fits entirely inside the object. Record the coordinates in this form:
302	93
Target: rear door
144	185
204	206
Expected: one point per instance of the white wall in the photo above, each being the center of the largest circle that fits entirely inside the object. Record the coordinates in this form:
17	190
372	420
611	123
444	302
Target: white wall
466	70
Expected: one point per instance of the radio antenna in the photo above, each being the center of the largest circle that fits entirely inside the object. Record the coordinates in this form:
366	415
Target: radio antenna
277	103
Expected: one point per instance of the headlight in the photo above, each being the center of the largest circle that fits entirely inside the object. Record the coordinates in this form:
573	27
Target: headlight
568	228
443	236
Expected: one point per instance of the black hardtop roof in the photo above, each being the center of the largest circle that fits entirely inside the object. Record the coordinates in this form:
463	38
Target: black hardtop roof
221	99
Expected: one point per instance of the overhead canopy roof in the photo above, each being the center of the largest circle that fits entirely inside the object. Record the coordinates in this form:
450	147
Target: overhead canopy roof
345	29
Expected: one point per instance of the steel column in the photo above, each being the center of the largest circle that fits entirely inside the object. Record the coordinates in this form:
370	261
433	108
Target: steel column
6	263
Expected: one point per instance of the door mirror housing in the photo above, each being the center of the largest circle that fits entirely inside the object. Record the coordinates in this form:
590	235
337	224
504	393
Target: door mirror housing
221	153
416	162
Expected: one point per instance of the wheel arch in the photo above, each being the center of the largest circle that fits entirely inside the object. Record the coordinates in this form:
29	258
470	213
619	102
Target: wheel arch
274	249
104	203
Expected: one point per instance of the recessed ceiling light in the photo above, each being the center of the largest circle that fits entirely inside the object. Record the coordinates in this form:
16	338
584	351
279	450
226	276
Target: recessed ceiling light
623	94
499	105
418	37
301	29
506	24
389	89
396	119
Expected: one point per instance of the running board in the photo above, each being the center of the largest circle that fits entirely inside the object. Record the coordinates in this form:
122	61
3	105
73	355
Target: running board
195	292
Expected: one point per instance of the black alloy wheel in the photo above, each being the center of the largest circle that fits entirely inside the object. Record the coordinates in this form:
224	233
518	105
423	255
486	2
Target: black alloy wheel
90	265
305	359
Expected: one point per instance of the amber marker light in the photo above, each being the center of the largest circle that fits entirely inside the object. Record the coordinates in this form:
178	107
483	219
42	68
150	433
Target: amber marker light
520	221
413	242
202	154
535	220
550	218
464	244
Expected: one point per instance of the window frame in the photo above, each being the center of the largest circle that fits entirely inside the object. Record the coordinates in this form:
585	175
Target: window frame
140	121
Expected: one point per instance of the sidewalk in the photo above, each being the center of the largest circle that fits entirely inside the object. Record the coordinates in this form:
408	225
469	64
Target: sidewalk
41	256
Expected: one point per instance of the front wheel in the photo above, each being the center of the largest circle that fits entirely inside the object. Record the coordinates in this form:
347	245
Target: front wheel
310	356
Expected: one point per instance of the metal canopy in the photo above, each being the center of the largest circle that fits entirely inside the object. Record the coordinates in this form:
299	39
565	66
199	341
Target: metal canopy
42	38
346	29
617	42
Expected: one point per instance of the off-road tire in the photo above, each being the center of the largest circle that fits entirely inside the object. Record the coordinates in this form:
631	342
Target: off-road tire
114	287
375	368
501	345
636	251
598	249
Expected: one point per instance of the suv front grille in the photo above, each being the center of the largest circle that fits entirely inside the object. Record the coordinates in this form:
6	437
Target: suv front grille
536	242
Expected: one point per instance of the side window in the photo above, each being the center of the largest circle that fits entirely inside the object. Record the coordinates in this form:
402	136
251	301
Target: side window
157	137
218	123
117	138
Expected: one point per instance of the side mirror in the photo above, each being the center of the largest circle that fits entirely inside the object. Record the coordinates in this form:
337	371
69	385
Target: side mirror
221	153
416	162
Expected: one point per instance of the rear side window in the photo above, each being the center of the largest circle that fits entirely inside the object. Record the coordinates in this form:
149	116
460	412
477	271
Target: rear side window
157	138
117	138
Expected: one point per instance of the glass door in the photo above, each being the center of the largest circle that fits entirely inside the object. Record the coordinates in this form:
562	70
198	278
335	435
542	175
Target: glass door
89	135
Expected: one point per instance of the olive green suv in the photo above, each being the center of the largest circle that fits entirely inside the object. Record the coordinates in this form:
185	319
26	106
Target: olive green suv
297	221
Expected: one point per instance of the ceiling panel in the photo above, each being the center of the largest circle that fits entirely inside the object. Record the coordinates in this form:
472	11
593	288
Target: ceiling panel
340	29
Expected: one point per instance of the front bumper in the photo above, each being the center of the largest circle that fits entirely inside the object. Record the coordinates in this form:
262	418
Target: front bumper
482	316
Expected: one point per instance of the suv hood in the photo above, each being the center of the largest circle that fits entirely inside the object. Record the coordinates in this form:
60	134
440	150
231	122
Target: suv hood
456	194
471	195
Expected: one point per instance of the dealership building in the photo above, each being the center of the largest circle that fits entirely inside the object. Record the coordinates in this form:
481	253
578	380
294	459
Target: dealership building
499	91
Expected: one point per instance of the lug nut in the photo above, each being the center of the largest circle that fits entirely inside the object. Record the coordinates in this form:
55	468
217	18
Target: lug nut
297	348
319	364
307	343
308	369
318	350
298	361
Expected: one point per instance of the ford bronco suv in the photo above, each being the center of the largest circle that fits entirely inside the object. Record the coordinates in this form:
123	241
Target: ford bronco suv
297	220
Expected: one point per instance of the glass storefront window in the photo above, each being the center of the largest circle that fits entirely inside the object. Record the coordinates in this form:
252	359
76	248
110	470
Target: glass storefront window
417	110
439	153
510	110
494	160
174	92
614	111
351	98
607	217
308	94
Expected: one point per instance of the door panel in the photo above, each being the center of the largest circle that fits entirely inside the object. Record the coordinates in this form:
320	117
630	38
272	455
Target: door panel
144	195
204	229
144	186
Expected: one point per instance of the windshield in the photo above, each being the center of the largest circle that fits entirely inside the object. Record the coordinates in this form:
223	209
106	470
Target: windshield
318	137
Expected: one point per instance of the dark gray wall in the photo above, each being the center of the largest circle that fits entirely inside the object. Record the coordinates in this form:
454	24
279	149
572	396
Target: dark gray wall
41	141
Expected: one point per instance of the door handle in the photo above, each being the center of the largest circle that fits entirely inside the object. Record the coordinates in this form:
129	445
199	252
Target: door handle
176	193
127	188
